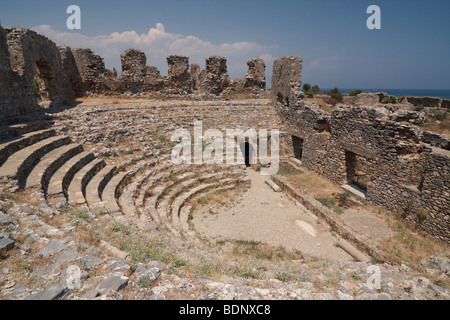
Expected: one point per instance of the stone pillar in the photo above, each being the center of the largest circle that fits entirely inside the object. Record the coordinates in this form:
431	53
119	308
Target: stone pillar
178	68
195	75
286	80
217	79
91	68
71	71
256	76
133	64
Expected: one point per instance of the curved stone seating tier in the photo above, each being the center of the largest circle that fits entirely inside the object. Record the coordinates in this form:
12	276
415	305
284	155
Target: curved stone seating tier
94	189
139	193
160	187
19	164
110	191
47	166
59	182
20	129
179	203
148	196
165	207
181	220
9	147
76	190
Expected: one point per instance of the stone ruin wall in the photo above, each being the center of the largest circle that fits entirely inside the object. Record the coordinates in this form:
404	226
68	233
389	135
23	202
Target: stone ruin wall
36	58
63	74
16	95
32	68
406	175
138	79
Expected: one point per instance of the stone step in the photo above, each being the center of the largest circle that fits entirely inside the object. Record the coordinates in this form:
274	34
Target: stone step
9	147
296	164
164	196
47	166
59	182
76	190
21	163
15	130
181	220
94	189
163	206
160	174
109	195
179	203
127	199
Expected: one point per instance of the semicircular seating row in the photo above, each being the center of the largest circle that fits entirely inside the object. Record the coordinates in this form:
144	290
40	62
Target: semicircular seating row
149	189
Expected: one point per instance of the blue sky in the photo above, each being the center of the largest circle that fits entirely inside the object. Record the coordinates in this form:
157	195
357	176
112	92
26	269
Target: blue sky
411	50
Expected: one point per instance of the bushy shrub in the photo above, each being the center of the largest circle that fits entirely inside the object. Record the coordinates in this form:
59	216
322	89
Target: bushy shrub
355	92
336	95
315	89
390	99
441	116
335	90
306	87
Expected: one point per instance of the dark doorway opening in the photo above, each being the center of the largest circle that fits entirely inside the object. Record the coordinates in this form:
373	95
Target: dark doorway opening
297	144
247	152
44	81
357	174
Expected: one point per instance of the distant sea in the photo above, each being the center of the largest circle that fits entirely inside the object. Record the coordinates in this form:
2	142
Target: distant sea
444	94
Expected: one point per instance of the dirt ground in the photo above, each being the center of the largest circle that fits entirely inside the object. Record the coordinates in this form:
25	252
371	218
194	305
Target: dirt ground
270	217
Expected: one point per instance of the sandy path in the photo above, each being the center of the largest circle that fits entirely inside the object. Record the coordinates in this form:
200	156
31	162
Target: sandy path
266	216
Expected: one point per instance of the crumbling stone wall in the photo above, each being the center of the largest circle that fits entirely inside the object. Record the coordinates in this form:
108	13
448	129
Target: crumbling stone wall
152	72
405	174
16	94
252	85
178	74
217	79
286	80
133	65
91	69
70	69
36	58
195	76
256	75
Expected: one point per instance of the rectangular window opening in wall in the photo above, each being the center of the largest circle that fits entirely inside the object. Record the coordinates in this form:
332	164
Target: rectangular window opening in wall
357	173
297	144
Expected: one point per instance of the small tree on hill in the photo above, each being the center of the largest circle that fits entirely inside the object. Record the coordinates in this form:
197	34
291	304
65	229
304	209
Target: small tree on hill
335	90
354	93
306	87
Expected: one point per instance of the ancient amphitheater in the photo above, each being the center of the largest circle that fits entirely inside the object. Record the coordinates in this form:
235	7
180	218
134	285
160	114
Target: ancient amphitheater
89	191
